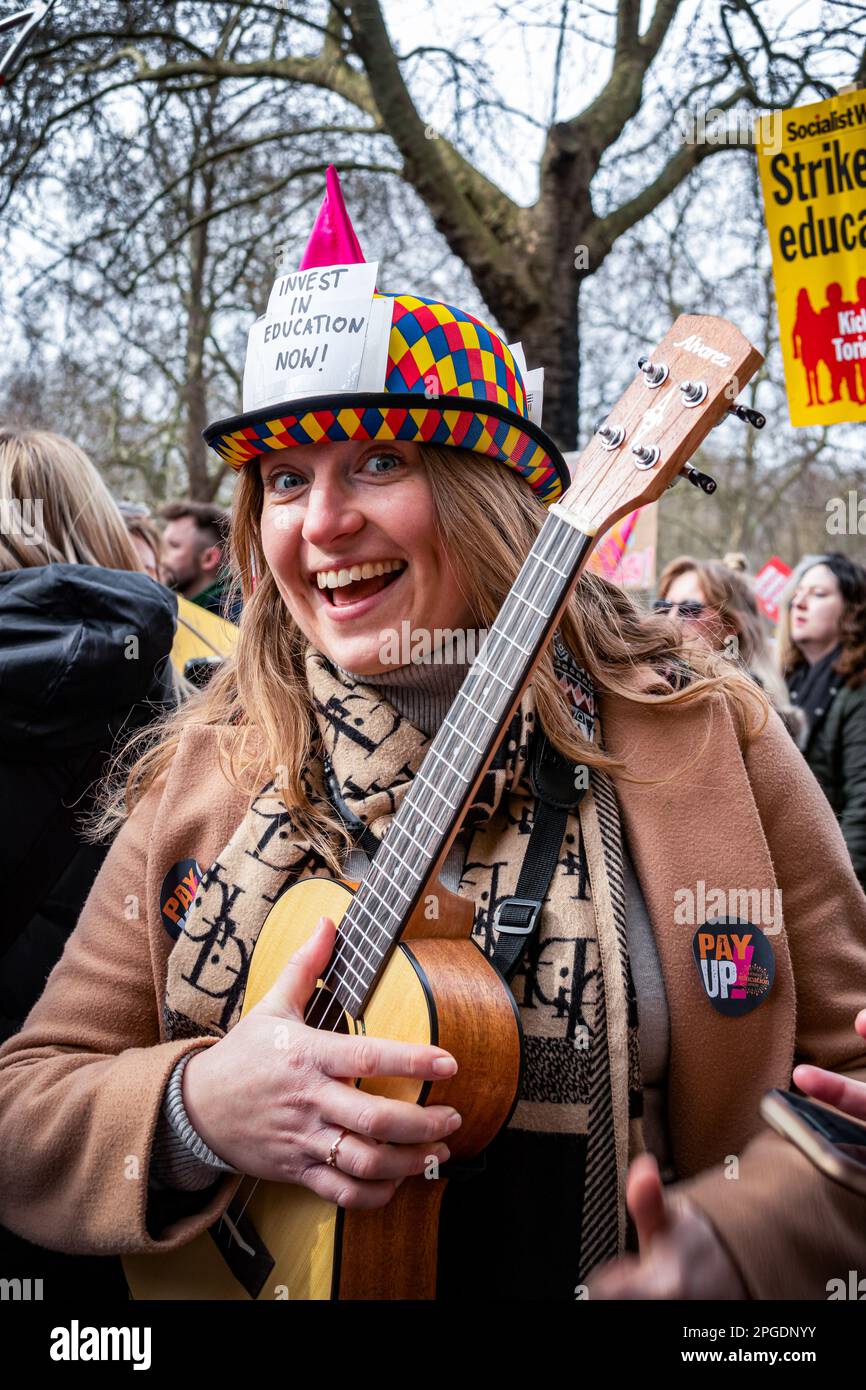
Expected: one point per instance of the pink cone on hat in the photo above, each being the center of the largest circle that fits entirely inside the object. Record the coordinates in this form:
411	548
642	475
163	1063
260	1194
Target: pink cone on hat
332	240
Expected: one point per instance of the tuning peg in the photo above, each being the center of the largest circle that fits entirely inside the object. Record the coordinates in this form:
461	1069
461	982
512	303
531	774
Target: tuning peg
751	417
701	480
645	455
654	373
611	436
694	392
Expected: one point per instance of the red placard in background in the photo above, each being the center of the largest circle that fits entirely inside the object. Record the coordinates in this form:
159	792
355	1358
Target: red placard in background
769	583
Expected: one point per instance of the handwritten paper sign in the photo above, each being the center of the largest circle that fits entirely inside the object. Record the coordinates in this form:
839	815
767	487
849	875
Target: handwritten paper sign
311	341
533	382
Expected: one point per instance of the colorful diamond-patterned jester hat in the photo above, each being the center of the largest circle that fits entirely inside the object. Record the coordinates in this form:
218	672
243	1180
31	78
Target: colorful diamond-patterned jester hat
448	379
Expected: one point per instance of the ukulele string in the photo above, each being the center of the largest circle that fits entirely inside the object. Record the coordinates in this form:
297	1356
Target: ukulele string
550	555
350	954
549	559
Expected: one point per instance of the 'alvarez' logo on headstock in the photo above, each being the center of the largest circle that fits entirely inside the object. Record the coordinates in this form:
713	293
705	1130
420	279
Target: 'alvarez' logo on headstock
709	354
664	415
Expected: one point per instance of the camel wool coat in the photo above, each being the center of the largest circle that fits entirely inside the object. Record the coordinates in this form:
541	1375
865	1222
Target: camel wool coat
82	1084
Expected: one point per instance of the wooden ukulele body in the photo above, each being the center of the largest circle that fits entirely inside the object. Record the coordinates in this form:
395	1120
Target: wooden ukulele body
437	987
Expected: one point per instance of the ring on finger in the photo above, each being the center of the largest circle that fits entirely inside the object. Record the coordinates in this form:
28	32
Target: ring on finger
331	1160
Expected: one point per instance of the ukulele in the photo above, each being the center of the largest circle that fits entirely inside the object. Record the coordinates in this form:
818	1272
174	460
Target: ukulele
395	971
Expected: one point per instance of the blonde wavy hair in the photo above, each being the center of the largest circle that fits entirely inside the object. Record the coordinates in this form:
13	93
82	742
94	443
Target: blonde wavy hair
487	519
79	523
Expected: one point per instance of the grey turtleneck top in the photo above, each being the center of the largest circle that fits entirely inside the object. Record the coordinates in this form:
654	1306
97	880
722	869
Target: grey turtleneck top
423	694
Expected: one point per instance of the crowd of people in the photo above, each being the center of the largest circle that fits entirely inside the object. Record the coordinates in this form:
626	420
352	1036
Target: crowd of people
84	664
812	668
87	617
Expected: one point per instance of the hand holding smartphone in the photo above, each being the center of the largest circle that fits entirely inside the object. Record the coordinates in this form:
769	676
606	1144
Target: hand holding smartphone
833	1142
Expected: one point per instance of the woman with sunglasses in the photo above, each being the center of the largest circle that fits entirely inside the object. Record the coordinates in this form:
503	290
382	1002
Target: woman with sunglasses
717	603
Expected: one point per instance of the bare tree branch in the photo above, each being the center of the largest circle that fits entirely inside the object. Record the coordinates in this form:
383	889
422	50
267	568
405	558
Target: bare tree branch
479	222
604	231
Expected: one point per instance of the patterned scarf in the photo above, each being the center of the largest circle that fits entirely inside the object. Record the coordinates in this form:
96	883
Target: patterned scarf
574	988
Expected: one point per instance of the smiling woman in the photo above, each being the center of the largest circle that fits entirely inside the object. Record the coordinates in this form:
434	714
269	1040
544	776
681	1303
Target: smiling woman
349	532
629	766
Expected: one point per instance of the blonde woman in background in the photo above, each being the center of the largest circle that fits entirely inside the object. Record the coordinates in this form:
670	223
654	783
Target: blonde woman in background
717	602
84	638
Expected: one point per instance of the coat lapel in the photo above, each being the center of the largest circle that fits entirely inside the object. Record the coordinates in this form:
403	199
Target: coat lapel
691	825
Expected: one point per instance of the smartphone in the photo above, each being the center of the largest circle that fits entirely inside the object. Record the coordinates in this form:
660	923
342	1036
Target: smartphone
833	1142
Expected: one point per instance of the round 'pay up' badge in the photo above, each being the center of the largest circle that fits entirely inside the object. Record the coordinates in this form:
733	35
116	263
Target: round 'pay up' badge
735	963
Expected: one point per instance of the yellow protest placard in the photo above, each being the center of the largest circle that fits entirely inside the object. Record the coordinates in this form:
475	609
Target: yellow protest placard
200	633
814	180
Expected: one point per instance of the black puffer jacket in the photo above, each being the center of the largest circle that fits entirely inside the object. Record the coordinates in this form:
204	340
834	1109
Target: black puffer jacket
836	753
83	657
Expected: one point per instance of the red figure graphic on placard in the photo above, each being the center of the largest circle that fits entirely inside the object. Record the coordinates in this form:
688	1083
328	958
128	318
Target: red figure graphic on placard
834	335
831	335
807	345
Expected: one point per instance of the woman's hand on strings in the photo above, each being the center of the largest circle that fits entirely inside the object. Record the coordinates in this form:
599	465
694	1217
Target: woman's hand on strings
274	1096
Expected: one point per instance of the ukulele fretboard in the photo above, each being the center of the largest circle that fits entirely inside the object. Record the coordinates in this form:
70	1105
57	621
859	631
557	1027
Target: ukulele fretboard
442	787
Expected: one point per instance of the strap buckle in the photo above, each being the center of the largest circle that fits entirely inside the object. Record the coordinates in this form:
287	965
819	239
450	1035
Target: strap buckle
530	905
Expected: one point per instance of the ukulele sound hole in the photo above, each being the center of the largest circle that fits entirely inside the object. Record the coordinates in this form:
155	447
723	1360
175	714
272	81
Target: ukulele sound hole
326	1012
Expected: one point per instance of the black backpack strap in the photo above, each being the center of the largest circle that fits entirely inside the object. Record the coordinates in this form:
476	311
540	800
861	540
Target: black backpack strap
364	837
554	781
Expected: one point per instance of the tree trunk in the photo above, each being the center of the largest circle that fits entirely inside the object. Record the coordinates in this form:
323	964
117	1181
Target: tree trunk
557	244
552	341
201	485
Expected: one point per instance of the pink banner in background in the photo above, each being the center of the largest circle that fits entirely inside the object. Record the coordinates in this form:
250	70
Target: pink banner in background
607	556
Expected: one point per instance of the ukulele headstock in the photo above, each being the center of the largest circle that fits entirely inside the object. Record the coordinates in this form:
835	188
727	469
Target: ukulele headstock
682	390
